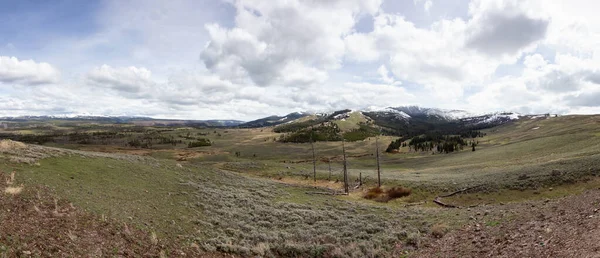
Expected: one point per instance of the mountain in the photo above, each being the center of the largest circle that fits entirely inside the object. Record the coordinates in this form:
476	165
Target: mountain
413	120
359	124
273	120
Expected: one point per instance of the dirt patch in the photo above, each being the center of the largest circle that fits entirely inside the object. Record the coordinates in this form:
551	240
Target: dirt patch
567	227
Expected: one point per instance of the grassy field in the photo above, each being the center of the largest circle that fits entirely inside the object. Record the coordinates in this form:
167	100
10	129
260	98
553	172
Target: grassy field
263	202
219	210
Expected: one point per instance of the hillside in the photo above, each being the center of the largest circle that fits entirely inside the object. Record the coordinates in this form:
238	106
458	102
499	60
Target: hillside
249	195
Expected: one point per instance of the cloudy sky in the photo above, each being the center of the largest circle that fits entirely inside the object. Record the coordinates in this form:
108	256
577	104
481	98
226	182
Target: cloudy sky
245	59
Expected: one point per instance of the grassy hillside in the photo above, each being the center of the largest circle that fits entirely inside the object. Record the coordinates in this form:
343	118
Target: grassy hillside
217	210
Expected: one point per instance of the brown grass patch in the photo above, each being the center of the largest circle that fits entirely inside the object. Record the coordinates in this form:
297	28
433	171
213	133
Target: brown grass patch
373	193
398	192
378	194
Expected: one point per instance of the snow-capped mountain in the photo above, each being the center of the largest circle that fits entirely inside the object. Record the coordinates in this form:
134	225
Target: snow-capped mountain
416	111
388	110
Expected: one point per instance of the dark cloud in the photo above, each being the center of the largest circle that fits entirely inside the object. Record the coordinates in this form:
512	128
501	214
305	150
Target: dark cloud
587	99
593	77
503	32
558	81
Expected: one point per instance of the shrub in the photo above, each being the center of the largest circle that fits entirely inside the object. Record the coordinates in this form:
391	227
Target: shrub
413	240
439	230
398	192
199	143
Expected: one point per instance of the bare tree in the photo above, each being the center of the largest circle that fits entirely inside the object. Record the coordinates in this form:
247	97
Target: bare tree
378	167
312	145
345	167
329	164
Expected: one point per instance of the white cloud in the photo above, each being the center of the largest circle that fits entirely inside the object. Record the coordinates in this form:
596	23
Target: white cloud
27	72
126	79
270	35
535	61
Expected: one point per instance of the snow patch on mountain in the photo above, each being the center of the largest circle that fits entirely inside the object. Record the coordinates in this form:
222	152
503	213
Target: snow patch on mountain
501	116
388	110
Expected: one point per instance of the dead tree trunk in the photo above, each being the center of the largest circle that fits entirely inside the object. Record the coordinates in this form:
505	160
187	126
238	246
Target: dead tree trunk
378	167
360	178
329	164
314	160
346	190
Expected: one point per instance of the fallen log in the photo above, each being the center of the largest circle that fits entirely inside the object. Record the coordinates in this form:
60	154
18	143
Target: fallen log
439	202
438	199
414	204
326	193
459	191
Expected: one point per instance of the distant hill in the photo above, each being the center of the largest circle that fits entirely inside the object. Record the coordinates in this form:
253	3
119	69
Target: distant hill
144	121
273	120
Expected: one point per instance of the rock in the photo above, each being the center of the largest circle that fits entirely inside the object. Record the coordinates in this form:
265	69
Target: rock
472	218
486	212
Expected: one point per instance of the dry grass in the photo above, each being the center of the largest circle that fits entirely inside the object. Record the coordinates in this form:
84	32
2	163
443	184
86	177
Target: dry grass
11	179
13	190
11	145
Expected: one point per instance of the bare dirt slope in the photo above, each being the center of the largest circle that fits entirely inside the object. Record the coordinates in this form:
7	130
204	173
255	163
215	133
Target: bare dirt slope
567	227
34	222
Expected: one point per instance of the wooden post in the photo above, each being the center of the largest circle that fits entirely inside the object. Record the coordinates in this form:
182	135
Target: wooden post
314	160
360	179
346	190
329	164
378	167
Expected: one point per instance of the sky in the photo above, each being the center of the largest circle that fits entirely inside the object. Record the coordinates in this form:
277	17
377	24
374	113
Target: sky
247	59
